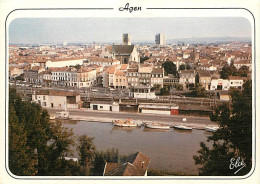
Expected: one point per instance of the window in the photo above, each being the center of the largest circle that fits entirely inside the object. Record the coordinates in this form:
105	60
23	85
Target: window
44	98
101	107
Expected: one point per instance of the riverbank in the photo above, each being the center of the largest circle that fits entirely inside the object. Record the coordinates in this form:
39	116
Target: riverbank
196	122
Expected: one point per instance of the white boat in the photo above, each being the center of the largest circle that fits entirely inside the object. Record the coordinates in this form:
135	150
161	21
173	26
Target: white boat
62	115
157	126
211	129
182	127
124	123
137	122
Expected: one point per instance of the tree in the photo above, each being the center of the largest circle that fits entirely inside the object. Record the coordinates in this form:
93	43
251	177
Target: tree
179	87
182	67
38	144
86	152
228	71
110	155
188	67
170	68
20	77
243	71
156	87
199	91
164	91
142	59
197	78
77	66
233	140
20	159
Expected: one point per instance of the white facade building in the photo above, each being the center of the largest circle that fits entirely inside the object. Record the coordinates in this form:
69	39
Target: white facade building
219	84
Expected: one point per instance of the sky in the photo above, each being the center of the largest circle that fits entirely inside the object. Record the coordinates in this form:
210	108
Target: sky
110	30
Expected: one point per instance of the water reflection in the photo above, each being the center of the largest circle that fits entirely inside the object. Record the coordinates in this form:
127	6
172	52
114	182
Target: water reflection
65	121
208	133
155	130
182	131
126	129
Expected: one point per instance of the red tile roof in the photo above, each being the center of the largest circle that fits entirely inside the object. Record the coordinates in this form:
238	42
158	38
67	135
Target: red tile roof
136	165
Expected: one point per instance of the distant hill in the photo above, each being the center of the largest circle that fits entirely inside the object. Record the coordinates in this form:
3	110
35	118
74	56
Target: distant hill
208	40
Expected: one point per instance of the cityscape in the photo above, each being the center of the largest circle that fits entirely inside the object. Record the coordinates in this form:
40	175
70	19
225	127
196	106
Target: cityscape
137	108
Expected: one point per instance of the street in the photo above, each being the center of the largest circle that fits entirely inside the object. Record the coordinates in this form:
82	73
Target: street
138	116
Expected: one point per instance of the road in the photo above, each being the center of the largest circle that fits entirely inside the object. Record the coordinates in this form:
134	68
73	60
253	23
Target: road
137	116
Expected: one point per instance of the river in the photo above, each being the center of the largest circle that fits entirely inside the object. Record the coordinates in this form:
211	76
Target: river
171	150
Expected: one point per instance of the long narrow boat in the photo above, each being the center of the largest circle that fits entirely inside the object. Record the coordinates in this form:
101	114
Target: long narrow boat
182	127
157	126
124	123
211	129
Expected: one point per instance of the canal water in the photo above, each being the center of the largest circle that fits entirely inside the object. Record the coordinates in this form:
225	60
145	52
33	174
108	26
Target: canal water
171	150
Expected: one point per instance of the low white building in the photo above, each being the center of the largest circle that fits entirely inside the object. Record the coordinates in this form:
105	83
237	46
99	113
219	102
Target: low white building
63	62
104	106
142	92
219	84
151	108
235	82
57	99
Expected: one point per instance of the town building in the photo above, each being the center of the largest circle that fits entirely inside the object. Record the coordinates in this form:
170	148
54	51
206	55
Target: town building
157	77
64	62
235	82
142	92
145	75
31	75
204	79
219	84
160	39
170	81
104	106
101	61
120	80
245	62
126	39
152	108
132	77
136	165
57	99
187	77
124	53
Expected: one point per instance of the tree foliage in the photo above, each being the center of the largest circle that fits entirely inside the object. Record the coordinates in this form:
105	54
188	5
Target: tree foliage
232	71
170	68
234	137
164	91
142	59
86	152
179	87
184	67
110	155
243	71
228	71
36	146
199	91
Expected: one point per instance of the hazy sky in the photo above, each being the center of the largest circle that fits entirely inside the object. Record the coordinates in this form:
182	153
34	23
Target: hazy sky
85	30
